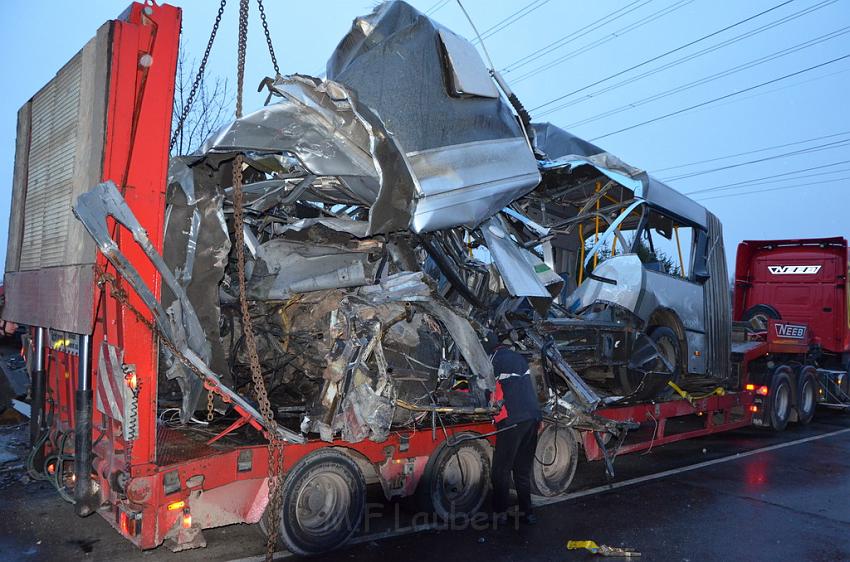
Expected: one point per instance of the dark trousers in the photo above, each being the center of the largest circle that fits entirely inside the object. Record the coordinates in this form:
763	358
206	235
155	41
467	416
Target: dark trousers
514	453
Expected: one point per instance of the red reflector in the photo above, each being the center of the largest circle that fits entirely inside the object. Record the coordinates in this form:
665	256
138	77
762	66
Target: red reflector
132	381
750	386
129	524
763	390
754	408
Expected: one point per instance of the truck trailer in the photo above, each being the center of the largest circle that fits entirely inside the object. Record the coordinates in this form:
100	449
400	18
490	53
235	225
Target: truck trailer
254	332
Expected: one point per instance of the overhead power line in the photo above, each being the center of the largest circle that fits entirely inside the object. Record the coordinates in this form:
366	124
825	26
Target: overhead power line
511	19
605	39
576	35
748	152
812	171
716	76
437	6
817	148
798	186
683	59
719	98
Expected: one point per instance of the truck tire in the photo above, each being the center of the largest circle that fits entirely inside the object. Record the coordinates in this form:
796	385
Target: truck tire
455	481
554	461
322	505
632	381
807	394
779	402
759	314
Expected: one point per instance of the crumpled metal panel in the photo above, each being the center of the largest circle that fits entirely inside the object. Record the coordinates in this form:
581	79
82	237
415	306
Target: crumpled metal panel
323	125
195	248
286	267
314	121
627	273
511	260
468	153
465	184
468	75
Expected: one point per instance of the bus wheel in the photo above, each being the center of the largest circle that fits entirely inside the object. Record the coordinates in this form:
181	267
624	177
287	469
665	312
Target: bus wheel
323	500
555	461
806	394
455	481
780	399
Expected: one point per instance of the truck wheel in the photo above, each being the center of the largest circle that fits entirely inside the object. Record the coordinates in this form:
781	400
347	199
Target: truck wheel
323	500
780	400
555	461
806	395
455	481
759	315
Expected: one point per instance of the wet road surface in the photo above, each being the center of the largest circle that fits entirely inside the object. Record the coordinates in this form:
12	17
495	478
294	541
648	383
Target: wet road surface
744	495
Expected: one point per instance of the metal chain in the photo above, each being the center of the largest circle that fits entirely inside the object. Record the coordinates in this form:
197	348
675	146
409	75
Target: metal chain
240	53
198	77
275	447
210	407
268	37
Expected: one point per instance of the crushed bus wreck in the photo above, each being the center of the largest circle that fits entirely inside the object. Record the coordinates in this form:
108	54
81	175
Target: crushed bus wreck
377	259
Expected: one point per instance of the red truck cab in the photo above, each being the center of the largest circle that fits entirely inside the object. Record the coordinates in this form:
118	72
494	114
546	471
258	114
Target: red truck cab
798	289
796	281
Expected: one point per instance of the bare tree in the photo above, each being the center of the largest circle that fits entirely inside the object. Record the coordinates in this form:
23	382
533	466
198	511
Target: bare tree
210	110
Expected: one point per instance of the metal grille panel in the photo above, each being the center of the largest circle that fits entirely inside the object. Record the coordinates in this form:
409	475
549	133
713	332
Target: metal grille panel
51	168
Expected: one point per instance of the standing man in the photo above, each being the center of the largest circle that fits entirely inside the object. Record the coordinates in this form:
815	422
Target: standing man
518	422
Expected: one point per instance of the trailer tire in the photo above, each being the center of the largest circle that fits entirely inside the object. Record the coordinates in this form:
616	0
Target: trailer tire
807	398
455	481
780	399
324	498
554	461
758	315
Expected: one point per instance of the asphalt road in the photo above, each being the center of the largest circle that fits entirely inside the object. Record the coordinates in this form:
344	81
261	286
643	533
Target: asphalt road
745	495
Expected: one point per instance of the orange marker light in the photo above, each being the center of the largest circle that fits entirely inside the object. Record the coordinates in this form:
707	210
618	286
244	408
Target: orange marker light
754	408
132	382
173	506
187	519
750	386
763	390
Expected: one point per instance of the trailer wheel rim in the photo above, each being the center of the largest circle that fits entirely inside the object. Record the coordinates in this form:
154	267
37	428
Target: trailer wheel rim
323	504
555	463
461	476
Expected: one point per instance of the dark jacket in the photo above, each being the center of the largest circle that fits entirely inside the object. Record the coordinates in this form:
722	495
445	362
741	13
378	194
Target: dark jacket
515	387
